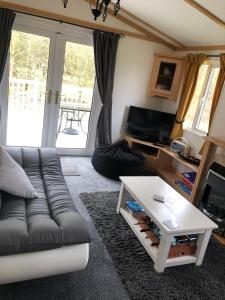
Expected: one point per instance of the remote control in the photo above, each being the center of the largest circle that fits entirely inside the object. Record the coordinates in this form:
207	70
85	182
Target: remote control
158	198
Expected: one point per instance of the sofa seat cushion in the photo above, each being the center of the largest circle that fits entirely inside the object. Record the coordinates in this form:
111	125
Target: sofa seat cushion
48	222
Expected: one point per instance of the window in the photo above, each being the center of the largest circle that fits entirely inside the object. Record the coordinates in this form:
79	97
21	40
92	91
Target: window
199	111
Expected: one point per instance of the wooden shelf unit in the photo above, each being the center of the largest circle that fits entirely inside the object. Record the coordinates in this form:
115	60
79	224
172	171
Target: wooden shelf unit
166	163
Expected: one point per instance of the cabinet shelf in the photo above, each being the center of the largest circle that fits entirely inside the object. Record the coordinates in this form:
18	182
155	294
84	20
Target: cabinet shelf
149	156
153	250
171	176
179	159
165	150
166	76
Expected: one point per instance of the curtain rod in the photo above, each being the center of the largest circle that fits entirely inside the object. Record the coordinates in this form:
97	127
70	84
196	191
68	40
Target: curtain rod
122	35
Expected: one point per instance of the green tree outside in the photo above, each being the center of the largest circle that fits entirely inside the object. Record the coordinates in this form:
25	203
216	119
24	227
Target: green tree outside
29	56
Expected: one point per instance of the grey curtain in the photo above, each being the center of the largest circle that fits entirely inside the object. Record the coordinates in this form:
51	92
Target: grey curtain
105	49
6	21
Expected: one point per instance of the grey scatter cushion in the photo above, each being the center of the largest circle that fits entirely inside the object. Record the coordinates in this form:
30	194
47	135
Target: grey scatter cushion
13	179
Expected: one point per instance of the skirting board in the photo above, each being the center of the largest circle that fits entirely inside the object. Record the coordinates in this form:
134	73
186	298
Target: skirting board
25	266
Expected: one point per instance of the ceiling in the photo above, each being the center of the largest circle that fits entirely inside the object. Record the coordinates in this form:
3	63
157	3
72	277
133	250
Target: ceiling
177	24
180	20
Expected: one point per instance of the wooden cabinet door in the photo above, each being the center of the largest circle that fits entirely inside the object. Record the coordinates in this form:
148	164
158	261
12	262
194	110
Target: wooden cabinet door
166	77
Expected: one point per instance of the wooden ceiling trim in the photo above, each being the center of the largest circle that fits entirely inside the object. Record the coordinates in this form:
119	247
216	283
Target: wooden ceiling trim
206	12
152	27
201	48
73	21
150	35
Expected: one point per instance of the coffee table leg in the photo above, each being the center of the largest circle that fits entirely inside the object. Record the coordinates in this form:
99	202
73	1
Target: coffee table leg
121	197
202	244
164	247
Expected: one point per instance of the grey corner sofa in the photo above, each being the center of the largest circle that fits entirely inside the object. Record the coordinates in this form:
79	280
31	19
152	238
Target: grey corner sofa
44	236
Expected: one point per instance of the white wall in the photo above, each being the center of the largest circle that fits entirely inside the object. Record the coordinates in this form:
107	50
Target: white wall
218	126
133	69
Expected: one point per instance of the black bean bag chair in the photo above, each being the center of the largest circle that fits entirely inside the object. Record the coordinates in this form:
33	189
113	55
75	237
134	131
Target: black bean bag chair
117	160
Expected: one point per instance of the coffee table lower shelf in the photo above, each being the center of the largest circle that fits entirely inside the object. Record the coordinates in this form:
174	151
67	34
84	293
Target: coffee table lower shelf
153	251
190	220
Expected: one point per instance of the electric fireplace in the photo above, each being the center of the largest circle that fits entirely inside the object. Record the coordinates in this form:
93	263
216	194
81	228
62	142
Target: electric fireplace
213	197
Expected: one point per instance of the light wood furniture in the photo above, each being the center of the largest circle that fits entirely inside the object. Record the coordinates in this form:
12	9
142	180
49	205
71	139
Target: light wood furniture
166	163
135	25
150	26
147	35
166	77
208	156
206	12
188	218
151	37
202	48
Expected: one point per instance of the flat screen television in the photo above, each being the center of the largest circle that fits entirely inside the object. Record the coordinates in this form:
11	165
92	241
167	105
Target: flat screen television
150	125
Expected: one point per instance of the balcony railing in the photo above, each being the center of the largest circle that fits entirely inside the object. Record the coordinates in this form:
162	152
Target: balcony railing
30	95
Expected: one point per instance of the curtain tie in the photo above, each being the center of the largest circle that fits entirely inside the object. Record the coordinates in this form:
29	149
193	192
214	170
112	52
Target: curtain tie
178	122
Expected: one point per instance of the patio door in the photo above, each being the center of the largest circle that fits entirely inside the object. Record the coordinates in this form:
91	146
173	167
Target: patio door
29	89
75	110
48	92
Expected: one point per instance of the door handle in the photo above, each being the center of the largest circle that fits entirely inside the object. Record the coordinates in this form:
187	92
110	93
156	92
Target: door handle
49	94
57	97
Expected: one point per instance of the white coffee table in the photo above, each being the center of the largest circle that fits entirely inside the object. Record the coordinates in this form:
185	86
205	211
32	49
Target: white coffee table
189	219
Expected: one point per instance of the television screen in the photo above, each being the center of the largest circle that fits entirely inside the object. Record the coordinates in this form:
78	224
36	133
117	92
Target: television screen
150	125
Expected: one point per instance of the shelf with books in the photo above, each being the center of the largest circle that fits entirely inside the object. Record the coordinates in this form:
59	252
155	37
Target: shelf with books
167	164
176	157
171	176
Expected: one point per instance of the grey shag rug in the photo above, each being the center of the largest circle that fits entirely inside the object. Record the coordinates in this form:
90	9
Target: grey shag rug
136	268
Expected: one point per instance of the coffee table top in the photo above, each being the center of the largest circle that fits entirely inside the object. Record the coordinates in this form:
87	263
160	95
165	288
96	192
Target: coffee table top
175	207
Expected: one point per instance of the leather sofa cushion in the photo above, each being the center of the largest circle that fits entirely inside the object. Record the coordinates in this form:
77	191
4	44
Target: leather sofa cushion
48	222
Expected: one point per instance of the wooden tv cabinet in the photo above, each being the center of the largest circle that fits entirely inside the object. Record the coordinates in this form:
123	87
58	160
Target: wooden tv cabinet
166	163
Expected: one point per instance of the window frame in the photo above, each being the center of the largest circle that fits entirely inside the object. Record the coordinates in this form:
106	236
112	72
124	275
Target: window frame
203	97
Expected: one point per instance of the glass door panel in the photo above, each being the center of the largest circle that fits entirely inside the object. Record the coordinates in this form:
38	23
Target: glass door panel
28	72
76	96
